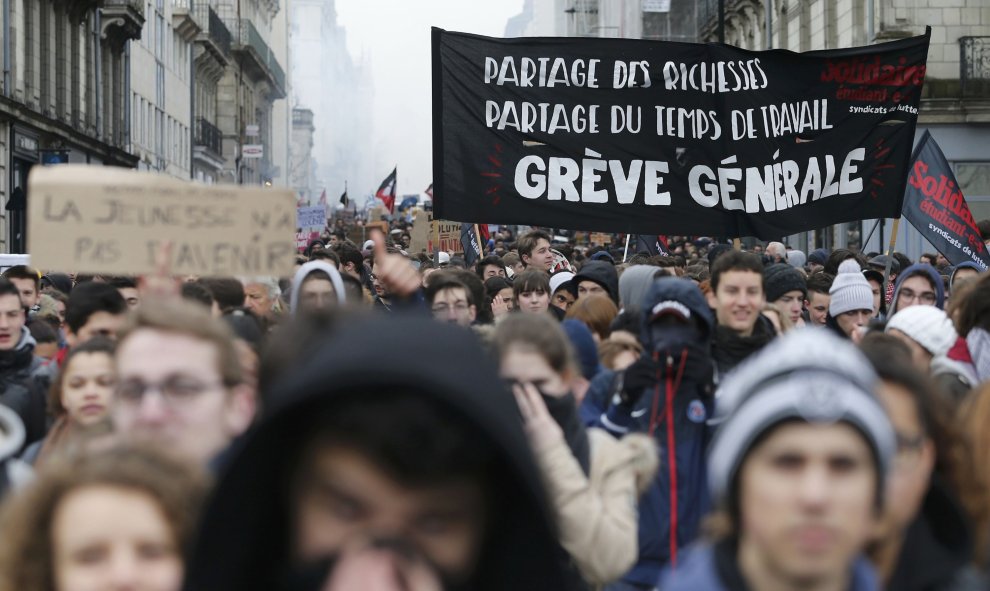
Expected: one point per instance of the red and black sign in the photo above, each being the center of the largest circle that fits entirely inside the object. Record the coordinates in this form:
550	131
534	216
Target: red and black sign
648	137
935	206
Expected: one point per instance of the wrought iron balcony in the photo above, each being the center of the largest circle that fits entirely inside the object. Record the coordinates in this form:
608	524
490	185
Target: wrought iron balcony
215	35
974	66
257	55
122	19
208	136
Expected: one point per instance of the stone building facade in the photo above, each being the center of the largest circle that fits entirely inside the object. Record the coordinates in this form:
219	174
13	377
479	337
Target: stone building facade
64	94
162	78
247	91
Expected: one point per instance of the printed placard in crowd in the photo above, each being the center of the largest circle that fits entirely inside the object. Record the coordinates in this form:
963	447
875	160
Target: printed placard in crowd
648	137
96	219
936	207
445	236
311	217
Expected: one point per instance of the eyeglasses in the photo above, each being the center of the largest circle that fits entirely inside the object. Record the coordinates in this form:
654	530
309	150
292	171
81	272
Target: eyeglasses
174	390
909	295
444	309
908	448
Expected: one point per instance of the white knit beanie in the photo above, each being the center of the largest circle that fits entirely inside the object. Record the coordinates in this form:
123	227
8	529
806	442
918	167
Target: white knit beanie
926	325
850	290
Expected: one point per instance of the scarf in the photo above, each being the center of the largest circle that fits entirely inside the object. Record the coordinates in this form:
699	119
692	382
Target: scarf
564	411
978	342
730	343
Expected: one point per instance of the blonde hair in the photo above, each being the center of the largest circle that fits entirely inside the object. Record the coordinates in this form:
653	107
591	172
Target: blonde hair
785	321
186	318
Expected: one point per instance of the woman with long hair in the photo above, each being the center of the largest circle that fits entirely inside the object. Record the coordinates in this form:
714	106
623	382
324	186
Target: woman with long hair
120	519
79	400
594	480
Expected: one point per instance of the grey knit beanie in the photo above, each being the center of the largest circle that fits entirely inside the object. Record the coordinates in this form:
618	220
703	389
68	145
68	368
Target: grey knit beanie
850	290
807	375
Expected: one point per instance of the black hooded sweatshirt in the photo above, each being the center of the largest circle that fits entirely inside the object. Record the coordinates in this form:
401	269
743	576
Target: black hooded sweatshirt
244	536
603	274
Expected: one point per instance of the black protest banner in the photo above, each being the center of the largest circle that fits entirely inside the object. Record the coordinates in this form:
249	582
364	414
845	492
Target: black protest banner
645	137
935	206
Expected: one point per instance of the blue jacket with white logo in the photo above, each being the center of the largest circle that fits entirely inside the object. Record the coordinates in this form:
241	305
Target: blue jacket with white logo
674	412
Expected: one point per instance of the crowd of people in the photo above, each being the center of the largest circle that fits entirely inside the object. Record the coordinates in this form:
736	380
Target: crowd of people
553	416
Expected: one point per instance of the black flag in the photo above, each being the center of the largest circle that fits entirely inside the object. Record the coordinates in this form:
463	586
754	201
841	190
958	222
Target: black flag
653	244
343	198
935	206
469	243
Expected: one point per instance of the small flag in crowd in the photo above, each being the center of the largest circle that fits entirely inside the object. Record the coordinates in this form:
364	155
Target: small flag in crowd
429	191
323	198
343	198
655	245
469	243
386	192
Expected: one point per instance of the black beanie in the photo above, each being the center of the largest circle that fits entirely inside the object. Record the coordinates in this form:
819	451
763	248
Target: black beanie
781	278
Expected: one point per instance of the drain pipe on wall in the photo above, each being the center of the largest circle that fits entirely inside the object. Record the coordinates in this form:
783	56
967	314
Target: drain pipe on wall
6	48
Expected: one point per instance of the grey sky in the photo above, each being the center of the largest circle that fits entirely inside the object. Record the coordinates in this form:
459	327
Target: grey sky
396	34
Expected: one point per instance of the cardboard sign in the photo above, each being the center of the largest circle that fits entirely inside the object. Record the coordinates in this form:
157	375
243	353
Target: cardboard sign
450	236
601	239
419	235
375	213
96	219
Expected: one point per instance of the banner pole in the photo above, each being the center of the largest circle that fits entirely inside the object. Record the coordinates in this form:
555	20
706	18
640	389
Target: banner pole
893	236
481	247
890	249
436	244
870	235
736	244
626	251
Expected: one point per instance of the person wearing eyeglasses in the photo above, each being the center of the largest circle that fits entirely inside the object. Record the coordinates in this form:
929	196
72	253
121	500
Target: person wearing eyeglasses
450	300
924	540
180	382
918	285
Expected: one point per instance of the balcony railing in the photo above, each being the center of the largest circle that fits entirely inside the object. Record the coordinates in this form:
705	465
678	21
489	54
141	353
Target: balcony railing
974	66
251	38
214	28
208	135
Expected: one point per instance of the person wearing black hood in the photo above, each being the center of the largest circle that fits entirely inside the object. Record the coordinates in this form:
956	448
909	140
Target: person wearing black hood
374	470
597	277
738	296
667	394
924	542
